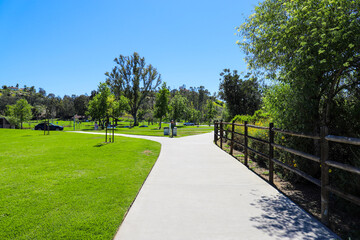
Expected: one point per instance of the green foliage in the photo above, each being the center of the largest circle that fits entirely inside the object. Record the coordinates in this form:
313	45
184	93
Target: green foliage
162	103
242	96
80	104
133	79
210	111
192	115
100	105
21	111
178	107
225	114
309	47
258	116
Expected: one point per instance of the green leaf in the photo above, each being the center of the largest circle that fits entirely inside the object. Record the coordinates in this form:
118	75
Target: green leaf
321	51
346	64
323	61
351	45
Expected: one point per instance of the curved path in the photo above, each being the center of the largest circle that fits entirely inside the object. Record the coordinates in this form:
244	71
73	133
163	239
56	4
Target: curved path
197	191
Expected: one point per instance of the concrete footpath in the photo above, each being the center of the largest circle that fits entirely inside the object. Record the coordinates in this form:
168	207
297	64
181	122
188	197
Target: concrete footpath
197	191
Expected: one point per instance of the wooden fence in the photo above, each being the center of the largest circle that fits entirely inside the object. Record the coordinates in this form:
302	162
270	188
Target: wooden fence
323	159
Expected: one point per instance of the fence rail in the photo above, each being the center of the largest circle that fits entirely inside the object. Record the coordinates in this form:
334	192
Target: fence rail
323	159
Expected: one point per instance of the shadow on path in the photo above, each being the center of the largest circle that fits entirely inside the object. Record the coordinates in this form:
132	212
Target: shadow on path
281	218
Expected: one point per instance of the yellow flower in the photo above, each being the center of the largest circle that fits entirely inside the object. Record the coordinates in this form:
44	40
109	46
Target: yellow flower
295	165
330	170
282	137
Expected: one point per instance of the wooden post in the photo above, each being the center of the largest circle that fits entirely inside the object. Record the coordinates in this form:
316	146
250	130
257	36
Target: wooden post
232	138
215	131
324	176
246	143
106	124
221	133
113	132
271	153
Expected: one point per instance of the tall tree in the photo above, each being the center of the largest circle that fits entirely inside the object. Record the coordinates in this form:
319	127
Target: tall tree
210	111
178	106
311	45
241	95
133	78
99	105
162	103
21	111
80	104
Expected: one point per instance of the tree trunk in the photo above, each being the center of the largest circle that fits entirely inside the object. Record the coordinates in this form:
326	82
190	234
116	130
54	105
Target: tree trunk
135	120
160	123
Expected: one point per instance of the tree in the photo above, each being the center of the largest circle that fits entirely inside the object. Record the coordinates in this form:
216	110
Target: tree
66	107
178	105
105	106
311	48
210	111
99	105
309	45
80	104
162	103
20	111
241	95
132	78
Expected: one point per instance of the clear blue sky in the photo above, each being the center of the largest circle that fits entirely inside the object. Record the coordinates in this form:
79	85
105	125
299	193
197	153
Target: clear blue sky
66	46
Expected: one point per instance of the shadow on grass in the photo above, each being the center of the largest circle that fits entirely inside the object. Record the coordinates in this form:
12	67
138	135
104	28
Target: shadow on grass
100	144
281	218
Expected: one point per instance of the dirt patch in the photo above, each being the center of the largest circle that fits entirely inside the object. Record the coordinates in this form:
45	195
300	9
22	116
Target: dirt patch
307	196
147	152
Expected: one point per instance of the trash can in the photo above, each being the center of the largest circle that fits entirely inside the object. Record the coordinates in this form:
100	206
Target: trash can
166	130
175	131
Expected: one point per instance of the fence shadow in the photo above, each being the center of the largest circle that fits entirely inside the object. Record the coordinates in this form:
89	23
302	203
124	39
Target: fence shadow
281	218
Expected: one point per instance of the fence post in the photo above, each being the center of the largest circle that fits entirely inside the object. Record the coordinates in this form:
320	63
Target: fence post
221	133
271	153
232	138
246	143
215	133
324	176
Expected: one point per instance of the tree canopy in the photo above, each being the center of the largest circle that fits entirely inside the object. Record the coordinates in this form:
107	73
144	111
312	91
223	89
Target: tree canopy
242	95
178	107
21	111
162	103
134	79
312	45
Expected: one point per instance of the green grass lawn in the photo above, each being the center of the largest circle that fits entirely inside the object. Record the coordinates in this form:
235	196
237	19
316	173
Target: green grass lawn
153	130
67	185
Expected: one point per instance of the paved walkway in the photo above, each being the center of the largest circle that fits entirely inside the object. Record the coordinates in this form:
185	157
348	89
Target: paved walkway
197	191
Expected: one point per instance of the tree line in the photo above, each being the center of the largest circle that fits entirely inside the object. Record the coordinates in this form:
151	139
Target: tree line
132	87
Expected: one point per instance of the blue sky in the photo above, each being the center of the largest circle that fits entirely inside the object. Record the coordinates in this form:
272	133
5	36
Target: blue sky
66	46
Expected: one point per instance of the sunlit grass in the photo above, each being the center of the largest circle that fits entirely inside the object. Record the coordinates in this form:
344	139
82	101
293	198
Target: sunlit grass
124	128
66	185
